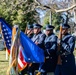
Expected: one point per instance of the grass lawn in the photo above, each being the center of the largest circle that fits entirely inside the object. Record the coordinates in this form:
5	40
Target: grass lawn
75	52
3	63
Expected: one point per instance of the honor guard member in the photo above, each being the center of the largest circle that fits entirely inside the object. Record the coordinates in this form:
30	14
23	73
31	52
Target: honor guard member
38	39
67	66
50	51
29	31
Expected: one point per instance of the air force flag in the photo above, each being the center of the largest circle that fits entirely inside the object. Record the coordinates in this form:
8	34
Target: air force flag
31	52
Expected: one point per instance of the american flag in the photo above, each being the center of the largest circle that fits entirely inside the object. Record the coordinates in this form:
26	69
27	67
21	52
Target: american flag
17	46
21	61
7	33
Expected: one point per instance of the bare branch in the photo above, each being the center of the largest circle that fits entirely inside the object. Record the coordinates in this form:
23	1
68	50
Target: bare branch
61	10
39	5
67	9
37	2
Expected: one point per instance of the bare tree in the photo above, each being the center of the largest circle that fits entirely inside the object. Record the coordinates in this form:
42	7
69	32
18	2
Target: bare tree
56	5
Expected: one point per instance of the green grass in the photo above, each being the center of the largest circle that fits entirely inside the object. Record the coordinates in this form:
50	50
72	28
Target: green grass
3	63
75	52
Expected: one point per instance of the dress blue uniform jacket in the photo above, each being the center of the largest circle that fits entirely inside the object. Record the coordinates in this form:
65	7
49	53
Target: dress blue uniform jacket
40	39
67	57
50	53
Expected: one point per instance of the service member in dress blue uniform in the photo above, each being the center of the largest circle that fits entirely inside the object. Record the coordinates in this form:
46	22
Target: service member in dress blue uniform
66	53
38	39
50	51
29	33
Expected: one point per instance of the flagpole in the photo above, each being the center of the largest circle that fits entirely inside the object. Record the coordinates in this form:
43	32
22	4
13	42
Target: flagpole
10	60
17	51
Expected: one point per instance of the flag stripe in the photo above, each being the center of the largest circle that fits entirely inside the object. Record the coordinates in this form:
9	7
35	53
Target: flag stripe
21	62
8	51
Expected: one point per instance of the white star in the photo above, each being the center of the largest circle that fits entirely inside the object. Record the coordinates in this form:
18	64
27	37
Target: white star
4	29
8	41
5	33
3	25
9	44
7	37
29	59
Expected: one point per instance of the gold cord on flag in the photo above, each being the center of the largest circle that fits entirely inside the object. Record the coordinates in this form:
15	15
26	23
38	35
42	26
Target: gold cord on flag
38	73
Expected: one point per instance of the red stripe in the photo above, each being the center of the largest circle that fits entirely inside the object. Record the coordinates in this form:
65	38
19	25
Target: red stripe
22	60
20	68
8	51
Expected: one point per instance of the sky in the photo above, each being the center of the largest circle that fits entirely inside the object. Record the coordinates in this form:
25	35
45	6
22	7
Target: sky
41	12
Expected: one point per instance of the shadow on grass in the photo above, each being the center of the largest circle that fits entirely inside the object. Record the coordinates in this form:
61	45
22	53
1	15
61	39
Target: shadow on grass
3	60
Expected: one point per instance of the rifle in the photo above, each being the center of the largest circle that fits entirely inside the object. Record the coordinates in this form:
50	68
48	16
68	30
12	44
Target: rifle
60	37
59	46
26	30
